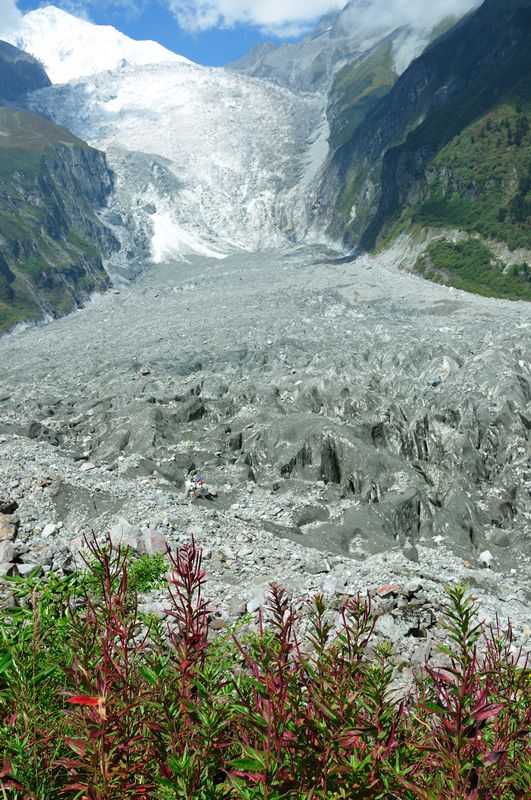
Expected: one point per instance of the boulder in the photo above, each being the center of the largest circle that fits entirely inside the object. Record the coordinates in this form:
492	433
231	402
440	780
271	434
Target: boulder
6	568
154	542
8	529
26	569
123	534
8	552
8	506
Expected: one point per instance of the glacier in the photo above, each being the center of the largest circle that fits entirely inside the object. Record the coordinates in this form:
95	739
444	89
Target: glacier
203	158
207	161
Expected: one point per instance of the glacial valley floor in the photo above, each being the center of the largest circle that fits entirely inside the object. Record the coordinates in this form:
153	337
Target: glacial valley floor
360	427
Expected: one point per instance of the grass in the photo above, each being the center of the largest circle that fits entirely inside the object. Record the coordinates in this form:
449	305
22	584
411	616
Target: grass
97	703
356	91
471	266
31	132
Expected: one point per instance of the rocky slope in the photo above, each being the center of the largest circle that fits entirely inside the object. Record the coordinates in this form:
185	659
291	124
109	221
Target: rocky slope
19	73
52	184
448	145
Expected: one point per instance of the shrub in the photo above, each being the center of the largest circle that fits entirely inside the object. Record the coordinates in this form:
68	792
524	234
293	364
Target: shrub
97	704
471	266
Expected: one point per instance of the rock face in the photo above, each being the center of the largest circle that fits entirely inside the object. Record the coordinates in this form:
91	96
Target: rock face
51	239
19	73
384	167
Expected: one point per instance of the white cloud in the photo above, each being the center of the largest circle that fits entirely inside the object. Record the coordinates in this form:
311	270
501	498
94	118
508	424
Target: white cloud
284	17
277	17
292	17
10	17
385	14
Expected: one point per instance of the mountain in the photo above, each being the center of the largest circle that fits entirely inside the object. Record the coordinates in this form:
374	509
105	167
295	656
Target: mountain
51	185
382	120
205	161
447	146
72	48
19	73
344	38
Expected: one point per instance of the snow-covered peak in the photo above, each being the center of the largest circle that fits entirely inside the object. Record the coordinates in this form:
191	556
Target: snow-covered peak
72	48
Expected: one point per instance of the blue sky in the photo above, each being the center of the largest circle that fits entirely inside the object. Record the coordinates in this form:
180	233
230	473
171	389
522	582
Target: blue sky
211	32
215	32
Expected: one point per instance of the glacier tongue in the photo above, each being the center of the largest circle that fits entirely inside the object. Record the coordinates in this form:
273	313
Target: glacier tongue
206	161
216	152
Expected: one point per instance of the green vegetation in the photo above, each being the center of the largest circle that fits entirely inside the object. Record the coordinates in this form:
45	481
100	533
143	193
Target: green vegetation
24	139
356	91
471	266
483	181
147	573
94	704
48	261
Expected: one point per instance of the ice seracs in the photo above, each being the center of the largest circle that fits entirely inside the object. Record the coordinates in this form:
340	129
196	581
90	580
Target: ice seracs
203	159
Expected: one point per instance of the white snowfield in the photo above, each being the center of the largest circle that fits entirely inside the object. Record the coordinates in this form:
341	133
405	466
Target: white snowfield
214	152
72	48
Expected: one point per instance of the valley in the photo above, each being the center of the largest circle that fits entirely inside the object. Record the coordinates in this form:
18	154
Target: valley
359	426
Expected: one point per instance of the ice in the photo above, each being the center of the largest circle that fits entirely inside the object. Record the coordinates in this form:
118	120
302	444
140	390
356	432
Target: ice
172	242
204	158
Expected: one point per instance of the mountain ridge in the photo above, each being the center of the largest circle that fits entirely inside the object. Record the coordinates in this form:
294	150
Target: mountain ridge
341	38
51	185
405	151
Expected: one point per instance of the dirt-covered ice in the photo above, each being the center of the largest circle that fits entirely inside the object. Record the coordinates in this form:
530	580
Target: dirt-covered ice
357	423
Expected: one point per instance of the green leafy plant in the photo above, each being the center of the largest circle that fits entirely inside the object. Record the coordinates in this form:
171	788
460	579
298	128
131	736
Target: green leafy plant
97	704
147	573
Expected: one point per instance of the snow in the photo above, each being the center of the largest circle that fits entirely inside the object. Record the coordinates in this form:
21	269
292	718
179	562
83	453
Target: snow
72	48
204	159
170	241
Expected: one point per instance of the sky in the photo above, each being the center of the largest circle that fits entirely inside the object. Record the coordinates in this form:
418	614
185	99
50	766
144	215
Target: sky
215	32
210	32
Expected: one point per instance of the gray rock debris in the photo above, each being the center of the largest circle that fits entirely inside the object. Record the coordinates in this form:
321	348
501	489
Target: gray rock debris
303	396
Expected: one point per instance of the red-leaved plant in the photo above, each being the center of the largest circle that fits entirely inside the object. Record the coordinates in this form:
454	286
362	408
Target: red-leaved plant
110	738
166	710
473	719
